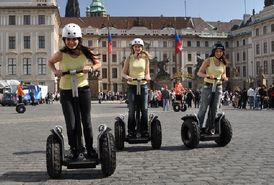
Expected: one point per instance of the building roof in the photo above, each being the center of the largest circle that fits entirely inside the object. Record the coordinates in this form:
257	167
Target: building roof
158	23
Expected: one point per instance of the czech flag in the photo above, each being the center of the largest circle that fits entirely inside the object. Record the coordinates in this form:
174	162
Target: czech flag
178	43
109	43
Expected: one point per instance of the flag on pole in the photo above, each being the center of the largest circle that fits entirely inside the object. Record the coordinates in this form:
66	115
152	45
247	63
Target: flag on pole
178	43
109	43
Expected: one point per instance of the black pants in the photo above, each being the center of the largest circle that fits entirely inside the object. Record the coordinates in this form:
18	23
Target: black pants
69	106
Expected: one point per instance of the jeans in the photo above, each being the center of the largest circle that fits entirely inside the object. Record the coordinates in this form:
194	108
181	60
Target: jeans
142	101
205	102
165	104
69	107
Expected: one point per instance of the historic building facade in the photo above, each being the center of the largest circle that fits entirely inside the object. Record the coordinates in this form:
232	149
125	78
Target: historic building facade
30	32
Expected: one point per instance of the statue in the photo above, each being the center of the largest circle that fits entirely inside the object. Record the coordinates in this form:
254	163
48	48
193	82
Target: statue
162	69
268	2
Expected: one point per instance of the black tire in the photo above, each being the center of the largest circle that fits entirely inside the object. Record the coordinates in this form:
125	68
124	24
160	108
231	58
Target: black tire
226	133
107	154
20	108
53	157
190	133
183	107
156	134
119	135
176	107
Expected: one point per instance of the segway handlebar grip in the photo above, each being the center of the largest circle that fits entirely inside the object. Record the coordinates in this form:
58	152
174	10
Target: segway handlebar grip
70	72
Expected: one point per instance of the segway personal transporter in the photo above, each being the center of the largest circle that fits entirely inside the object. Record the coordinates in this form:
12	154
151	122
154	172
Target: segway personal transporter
20	108
56	156
154	126
216	129
179	105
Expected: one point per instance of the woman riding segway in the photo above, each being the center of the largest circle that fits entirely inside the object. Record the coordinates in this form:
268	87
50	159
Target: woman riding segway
216	128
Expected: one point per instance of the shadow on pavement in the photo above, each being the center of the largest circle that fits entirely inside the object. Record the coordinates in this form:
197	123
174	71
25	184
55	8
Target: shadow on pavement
42	176
29	152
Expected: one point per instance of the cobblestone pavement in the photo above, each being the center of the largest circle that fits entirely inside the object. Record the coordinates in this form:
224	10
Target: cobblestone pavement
248	159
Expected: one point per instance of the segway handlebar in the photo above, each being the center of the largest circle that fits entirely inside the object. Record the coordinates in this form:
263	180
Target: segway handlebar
138	80
72	72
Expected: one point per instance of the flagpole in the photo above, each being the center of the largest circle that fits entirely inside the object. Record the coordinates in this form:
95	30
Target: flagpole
109	63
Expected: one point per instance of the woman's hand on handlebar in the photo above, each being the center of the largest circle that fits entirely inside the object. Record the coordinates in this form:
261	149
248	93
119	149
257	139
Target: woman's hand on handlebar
87	69
58	73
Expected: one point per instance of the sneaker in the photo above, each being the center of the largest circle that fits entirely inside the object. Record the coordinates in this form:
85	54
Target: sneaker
131	135
92	154
145	134
73	154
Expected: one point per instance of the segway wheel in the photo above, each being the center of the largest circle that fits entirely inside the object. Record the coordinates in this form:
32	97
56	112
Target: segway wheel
183	107
190	133
119	135
156	134
20	108
226	133
107	154
53	157
176	107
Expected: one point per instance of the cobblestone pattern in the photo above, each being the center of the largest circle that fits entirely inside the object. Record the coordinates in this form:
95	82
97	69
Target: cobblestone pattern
248	159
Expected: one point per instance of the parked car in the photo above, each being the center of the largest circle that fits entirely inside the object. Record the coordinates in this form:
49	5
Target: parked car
9	99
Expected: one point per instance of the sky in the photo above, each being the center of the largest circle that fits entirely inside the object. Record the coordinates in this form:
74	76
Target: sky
209	10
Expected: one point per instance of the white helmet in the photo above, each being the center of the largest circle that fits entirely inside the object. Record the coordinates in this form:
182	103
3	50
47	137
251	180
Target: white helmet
137	41
72	30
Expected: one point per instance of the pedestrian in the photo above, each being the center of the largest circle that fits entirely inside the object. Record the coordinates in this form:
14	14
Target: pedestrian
31	94
75	56
137	66
251	100
166	98
179	90
20	93
212	67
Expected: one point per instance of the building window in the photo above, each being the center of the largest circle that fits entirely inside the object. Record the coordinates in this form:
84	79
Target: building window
272	46
243	42
257	67
26	19
188	43
41	19
244	71
114	44
198	43
265	67
114	73
42	66
272	28
264	30
272	65
12	42
244	55
257	49
206	44
114	58
189	70
90	43
238	70
226	44
238	44
257	31
26	66
115	87
238	57
105	86
11	66
104	58
265	47
164	44
104	72
189	58
104	44
26	42
41	42
12	20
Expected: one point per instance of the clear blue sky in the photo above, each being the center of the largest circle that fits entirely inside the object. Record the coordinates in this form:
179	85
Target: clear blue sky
209	10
